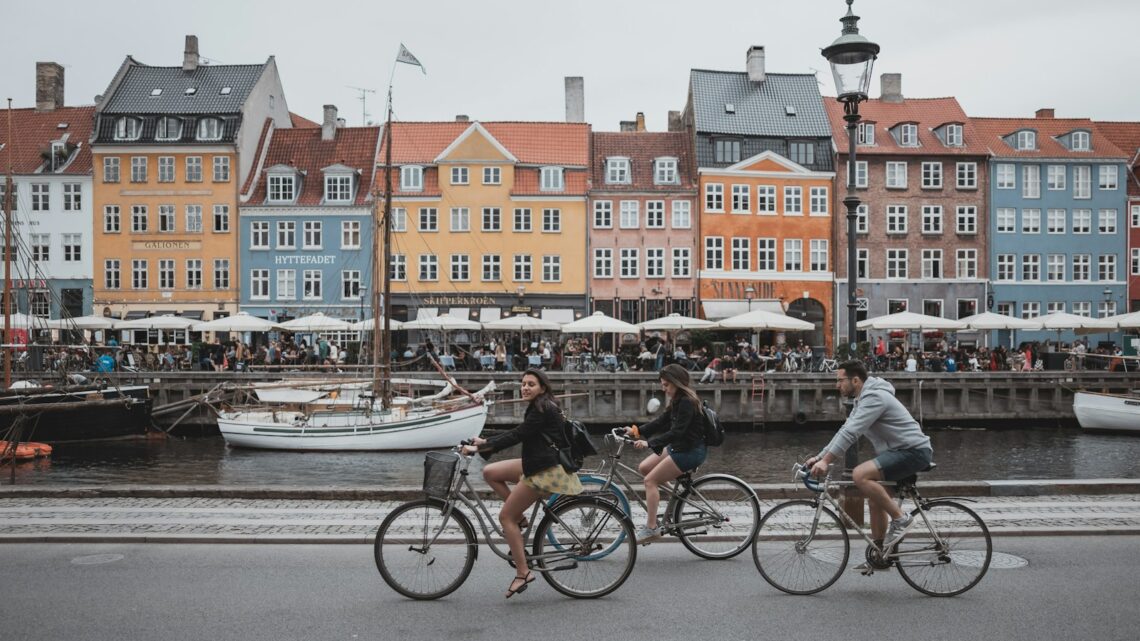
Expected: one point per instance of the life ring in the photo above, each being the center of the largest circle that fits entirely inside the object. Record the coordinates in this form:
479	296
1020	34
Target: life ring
24	451
799	418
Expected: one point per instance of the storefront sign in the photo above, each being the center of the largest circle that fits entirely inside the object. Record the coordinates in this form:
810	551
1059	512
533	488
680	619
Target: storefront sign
166	245
520	309
305	260
458	301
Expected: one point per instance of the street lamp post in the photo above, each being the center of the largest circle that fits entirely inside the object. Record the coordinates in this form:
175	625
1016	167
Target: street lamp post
749	292
1107	311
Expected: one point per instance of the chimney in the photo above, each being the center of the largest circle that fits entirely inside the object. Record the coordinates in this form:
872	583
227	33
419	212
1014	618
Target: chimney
341	123
675	121
1046	112
190	56
890	87
754	63
640	121
627	126
328	127
49	86
575	99
462	118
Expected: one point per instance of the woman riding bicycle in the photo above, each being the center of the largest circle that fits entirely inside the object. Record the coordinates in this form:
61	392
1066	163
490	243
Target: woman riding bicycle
677	438
536	475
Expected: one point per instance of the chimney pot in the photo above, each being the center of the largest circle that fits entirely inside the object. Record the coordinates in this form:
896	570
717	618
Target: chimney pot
891	87
640	121
1045	112
675	121
627	125
462	118
754	63
328	126
49	86
575	99
190	58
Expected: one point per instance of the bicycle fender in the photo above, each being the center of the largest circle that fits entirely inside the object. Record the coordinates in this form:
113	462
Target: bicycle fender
951	498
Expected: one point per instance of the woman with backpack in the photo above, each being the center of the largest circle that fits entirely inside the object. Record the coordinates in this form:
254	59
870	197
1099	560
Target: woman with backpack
536	475
677	439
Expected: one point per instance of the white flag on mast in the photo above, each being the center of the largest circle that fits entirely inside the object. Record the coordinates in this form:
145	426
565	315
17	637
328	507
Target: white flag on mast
406	56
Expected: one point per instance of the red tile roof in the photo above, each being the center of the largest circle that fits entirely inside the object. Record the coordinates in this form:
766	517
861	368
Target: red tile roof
304	150
527	183
927	113
33	131
431	184
642	147
301	122
537	143
1125	135
993	130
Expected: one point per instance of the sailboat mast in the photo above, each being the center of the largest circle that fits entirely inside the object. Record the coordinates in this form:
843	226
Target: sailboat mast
8	258
382	340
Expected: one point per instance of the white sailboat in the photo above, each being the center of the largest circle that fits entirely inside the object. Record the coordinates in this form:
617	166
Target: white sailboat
1107	411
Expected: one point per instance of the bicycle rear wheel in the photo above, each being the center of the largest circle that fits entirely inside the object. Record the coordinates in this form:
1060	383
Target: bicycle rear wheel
568	545
724	512
948	557
420	554
795	557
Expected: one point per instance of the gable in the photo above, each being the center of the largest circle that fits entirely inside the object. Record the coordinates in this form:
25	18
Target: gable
475	144
771	162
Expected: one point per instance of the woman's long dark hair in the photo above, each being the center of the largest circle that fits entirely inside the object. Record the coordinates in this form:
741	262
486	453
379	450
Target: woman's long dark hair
679	377
546	399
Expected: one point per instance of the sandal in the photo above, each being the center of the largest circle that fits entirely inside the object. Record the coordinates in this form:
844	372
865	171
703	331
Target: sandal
526	581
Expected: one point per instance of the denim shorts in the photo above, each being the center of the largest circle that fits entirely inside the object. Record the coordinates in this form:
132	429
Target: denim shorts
899	464
688	461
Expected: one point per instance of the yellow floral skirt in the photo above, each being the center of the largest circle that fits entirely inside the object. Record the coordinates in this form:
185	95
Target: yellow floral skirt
553	480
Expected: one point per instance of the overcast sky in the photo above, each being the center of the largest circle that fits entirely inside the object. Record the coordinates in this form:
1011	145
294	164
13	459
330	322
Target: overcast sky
506	59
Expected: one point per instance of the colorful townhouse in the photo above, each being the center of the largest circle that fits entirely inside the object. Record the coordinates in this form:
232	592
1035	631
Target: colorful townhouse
1058	235
643	233
1126	136
763	148
50	157
306	222
920	172
172	146
488	218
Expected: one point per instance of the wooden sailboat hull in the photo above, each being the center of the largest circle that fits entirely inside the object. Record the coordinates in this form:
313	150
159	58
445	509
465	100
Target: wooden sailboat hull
1107	411
80	416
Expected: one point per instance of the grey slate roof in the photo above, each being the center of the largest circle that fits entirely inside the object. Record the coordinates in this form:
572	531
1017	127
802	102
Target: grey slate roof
760	108
133	95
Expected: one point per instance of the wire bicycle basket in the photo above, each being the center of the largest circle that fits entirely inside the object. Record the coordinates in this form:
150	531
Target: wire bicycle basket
439	473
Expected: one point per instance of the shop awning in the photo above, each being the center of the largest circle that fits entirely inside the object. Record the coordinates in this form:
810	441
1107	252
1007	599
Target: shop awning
460	312
488	314
136	314
558	315
720	309
196	314
426	312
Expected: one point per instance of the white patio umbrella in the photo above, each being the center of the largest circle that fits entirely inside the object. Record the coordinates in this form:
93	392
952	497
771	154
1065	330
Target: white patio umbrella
910	320
990	320
166	321
522	323
763	319
1063	320
317	322
82	322
24	321
599	323
239	322
442	323
674	322
368	324
1124	321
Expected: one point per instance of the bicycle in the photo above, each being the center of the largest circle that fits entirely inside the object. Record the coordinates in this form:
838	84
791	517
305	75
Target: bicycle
715	516
425	549
827	365
801	546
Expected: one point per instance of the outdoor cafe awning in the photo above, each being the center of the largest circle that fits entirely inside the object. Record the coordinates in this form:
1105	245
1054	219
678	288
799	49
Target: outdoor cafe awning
720	309
488	314
558	315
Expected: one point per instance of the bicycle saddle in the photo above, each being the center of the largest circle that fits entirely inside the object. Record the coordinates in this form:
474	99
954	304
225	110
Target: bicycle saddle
913	478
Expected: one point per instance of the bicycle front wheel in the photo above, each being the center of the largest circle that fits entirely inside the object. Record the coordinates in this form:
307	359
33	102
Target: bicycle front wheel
585	547
797	554
423	555
718	517
948	557
595	487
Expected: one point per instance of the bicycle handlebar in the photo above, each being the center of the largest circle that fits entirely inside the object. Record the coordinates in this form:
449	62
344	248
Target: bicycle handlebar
620	434
801	472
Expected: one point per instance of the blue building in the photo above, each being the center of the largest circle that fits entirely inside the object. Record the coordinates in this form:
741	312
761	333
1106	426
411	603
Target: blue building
306	222
1058	225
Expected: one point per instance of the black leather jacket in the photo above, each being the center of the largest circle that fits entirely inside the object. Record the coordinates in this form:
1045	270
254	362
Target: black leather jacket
681	425
537	454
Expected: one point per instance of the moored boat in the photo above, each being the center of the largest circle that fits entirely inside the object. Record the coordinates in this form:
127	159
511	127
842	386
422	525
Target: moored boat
1107	411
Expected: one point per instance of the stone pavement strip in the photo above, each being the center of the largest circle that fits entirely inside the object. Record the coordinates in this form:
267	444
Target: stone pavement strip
243	520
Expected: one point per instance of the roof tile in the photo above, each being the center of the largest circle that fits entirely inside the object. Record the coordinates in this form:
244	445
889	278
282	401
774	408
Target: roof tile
993	130
304	150
760	109
927	113
642	148
33	131
538	143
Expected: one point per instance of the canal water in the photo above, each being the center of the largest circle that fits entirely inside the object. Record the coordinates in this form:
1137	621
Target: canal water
962	454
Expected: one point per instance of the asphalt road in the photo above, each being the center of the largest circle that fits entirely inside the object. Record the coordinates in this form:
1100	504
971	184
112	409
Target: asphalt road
1071	588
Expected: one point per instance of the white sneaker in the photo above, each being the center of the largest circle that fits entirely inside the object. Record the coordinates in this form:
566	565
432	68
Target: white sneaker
896	530
647	535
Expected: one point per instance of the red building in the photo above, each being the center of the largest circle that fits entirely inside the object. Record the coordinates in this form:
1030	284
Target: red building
1126	135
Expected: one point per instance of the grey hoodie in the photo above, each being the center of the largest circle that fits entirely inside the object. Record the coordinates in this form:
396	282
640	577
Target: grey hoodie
880	417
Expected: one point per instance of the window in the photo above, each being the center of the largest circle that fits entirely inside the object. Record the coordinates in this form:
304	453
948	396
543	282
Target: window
629	216
1106	308
1030	310
931	263
766	199
1108	177
932	175
138	274
281	188
221	169
617	171
1082	308
1106	221
1082	267
629	262
194	174
932	307
522	219
138	169
460	219
1054	306
350	284
1055	268
793	255
896	175
312	280
492	176
1106	267
741	255
1006	220
908	135
1006	267
259	284
221	219
726	151
896	305
1055	221
1080	141
166	169
932	219
429	219
897	264
967	264
552	221
967	173
802	153
72	196
127	128
603	262
138	219
1005	309
210	129
429	267
681	262
338	189
1082	182
492	267
1055	177
552	179
1031	181
41	247
166	273
954	135
1031	267
460	267
896	219
967	219
111	278
522	265
411	178
166	222
1006	176
741	203
72	248
110	169
1135	217
399	219
1135	260
714	197
194	219
862	224
1082	221
1027	140
312	234
551	269
714	252
41	197
818	198
819	255
682	214
349	234
399	267
286	234
194	273
793	201
665	171
1031	221
603	214
860	173
492	219
221	273
865	133
459	176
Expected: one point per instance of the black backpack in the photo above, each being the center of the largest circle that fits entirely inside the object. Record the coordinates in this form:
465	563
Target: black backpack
714	429
579	445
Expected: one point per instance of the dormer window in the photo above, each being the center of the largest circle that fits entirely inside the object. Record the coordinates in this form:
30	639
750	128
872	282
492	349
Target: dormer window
412	178
617	171
1027	140
665	171
338	188
210	129
908	135
128	128
282	188
168	129
552	179
154	93
225	91
953	135
866	133
1080	140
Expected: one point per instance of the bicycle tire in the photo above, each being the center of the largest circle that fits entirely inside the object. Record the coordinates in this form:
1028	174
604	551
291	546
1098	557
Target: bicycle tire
953	567
614	494
731	535
788	560
593	524
410	571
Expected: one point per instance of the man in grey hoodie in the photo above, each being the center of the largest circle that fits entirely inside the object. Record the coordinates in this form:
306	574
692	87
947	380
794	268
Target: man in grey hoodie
901	449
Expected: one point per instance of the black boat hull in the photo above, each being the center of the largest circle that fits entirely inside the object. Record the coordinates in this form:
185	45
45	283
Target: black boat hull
99	420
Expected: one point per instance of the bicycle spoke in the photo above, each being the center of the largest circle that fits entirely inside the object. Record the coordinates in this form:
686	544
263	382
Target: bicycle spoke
717	517
946	551
423	554
597	546
794	559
